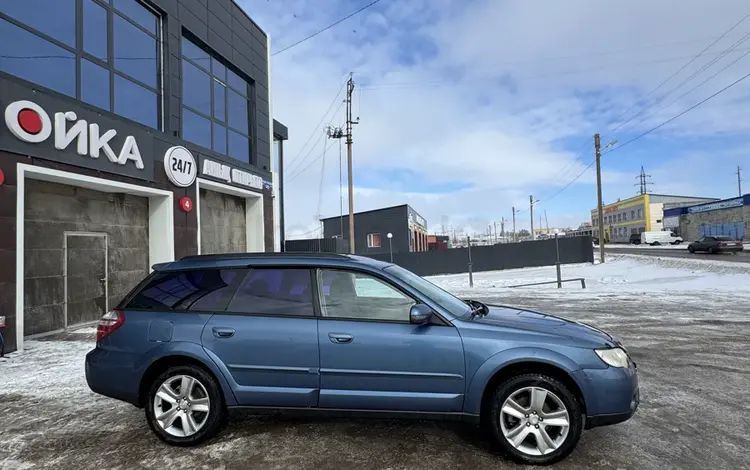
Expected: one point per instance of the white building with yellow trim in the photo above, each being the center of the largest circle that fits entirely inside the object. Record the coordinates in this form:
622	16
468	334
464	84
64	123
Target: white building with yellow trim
642	213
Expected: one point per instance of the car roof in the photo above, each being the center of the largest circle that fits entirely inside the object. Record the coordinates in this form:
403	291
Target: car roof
284	259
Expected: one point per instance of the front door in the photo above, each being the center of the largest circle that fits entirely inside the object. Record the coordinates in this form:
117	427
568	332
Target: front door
267	339
372	358
85	277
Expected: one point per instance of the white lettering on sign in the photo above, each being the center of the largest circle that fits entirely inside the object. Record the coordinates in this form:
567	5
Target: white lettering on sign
729	203
231	175
29	122
180	166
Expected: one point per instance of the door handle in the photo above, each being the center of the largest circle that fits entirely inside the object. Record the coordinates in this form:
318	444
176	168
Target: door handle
223	332
340	338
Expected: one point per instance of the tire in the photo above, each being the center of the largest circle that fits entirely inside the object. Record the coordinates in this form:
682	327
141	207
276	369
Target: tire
711	250
691	249
655	244
558	398
205	392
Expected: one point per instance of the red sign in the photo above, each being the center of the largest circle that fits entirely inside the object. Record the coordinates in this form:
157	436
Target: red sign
186	204
2	177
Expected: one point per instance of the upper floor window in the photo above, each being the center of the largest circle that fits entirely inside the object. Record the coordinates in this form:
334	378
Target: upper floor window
216	106
112	64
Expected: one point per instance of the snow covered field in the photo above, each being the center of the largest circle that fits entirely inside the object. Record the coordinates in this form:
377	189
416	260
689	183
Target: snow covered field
681	320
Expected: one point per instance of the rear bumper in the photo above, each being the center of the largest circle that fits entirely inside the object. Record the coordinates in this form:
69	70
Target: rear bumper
111	376
730	249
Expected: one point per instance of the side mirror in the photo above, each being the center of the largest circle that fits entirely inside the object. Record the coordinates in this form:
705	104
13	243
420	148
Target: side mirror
419	314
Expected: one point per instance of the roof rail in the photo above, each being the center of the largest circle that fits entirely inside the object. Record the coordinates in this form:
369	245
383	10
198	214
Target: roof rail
290	254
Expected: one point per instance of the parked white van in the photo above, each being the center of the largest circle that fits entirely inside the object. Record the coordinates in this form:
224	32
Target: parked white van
660	238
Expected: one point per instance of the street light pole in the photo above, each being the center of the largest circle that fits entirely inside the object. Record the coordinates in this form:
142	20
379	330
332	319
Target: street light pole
390	244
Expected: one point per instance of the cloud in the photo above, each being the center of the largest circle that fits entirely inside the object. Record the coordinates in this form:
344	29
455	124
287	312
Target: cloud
494	100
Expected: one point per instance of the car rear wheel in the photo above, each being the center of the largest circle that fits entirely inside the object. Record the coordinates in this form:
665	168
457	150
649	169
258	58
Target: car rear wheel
712	250
535	419
185	406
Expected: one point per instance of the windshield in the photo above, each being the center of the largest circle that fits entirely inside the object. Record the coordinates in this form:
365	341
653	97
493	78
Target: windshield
447	301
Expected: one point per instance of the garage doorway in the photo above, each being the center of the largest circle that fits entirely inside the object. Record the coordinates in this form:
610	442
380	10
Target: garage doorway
85	277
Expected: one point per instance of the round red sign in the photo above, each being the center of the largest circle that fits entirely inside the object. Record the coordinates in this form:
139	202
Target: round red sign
186	204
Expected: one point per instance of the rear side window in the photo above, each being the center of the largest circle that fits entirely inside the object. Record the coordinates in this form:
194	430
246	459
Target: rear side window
275	292
200	290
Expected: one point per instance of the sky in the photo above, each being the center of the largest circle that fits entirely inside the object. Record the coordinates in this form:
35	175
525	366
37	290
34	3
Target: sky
468	107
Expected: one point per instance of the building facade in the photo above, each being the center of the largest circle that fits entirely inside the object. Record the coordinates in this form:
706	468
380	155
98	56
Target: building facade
371	229
727	217
135	132
642	213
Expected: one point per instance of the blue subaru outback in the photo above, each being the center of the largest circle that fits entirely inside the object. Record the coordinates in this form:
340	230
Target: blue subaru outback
346	335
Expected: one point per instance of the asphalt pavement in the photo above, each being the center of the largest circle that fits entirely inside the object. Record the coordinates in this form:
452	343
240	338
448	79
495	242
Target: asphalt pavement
743	257
693	366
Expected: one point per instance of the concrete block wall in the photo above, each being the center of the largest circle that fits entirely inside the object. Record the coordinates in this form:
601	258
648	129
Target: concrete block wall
689	223
52	209
223	223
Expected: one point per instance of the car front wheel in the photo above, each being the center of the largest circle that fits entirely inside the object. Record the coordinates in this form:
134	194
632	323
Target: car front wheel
185	406
535	419
691	249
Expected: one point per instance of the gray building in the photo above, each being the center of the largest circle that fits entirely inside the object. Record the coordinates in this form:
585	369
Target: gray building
727	217
642	213
371	229
135	132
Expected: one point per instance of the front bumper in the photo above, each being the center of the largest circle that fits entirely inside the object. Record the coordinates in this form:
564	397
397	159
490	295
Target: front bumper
612	395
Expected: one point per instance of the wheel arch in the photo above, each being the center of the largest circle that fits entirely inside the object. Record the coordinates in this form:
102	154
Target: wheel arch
163	363
530	366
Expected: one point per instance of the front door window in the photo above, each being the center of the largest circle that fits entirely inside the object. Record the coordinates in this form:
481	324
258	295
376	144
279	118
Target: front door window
359	296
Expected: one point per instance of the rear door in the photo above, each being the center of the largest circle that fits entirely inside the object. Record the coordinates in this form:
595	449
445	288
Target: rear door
372	358
267	340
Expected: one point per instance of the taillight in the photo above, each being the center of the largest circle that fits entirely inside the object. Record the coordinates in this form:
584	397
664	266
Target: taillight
109	323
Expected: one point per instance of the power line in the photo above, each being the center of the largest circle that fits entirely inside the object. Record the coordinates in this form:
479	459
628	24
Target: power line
326	28
311	163
679	115
687	80
658	87
318	125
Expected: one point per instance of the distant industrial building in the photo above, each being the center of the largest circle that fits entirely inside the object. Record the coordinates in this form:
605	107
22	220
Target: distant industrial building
642	213
727	217
408	230
438	242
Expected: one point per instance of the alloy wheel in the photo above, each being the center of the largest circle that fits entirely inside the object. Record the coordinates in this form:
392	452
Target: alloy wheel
181	406
534	421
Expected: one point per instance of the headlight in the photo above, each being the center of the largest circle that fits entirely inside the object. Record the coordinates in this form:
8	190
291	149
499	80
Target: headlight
614	357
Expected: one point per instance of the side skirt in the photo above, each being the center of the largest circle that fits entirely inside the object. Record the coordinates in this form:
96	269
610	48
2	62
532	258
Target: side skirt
367	414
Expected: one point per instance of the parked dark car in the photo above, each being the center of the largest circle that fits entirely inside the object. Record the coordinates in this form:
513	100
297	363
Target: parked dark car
346	335
716	245
635	239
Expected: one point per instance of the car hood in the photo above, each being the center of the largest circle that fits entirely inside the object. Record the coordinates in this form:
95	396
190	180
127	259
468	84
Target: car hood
528	320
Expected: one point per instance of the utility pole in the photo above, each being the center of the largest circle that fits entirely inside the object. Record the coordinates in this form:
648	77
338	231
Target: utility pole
349	125
600	211
514	225
502	229
546	220
531	208
739	181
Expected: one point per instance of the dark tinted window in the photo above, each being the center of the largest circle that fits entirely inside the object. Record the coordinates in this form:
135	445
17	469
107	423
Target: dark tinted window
213	93
275	292
95	29
204	290
94	84
138	13
136	102
56	18
725	239
195	128
32	58
135	52
220	138
196	88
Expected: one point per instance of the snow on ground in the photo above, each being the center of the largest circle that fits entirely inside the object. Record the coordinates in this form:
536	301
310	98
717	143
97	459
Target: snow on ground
620	275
